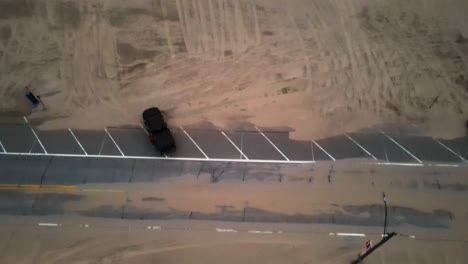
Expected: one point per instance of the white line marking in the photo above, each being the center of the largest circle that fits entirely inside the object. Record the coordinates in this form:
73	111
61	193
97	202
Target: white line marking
444	165
351	234
320	147
277	149
331	234
156	228
449	149
242	144
222	230
312	150
398	144
259	232
79	144
144	129
413	237
195	143
401	164
218	160
359	145
158	158
3	148
238	149
48	224
38	140
115	143
102	144
25	120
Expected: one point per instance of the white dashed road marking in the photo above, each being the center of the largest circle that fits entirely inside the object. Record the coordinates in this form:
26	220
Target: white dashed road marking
223	230
48	224
351	234
260	232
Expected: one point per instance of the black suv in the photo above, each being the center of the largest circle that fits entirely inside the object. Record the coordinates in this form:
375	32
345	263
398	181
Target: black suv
159	135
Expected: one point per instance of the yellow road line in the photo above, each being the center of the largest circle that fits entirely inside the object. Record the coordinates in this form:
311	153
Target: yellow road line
35	187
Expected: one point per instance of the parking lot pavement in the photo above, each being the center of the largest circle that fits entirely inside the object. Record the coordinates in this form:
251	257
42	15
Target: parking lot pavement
96	142
382	148
215	144
255	146
185	146
59	141
426	149
133	142
459	146
19	138
293	149
341	147
211	143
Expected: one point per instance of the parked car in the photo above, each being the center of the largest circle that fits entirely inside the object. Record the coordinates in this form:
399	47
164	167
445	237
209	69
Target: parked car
159	135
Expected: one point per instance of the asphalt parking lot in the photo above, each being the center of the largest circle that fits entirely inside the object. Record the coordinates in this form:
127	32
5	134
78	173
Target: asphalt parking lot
234	145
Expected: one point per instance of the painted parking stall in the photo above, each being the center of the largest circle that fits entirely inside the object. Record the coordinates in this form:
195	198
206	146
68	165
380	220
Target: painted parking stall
214	144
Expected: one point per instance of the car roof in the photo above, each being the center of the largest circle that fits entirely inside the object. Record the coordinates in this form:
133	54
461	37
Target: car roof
155	124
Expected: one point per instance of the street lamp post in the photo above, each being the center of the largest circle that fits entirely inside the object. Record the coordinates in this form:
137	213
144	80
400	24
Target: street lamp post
386	237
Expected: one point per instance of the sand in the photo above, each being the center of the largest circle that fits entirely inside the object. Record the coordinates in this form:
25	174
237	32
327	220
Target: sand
316	67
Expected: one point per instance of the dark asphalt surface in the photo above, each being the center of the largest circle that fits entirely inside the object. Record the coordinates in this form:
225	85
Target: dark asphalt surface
272	146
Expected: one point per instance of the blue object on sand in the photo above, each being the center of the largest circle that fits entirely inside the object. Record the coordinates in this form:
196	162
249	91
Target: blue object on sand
32	98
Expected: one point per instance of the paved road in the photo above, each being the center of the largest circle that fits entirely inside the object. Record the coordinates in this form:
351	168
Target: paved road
59	240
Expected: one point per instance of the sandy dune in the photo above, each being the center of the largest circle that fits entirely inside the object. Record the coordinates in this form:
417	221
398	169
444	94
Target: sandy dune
318	67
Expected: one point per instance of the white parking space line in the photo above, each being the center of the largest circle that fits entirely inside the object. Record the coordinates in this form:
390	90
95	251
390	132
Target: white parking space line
115	143
320	147
312	150
359	145
449	149
3	148
77	141
195	143
102	145
144	129
403	148
35	135
277	149
38	140
238	149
